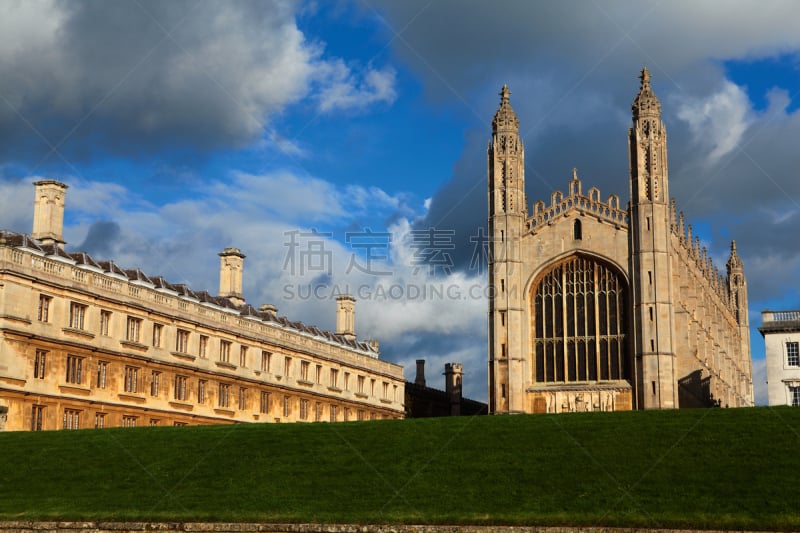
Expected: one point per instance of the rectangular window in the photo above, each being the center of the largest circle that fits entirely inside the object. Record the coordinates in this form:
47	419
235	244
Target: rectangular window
201	391
154	422
264	407
129	421
265	360
243	356
105	320
99	420
287	365
318	412
225	351
37	417
177	424
333	413
131	379
102	373
224	395
793	353
372	387
346	414
39	364
72	419
334	378
347	381
182	341
286	409
794	396
361	415
203	346
158	329
134	327
77	312
180	388
361	381
43	313
155	383
242	398
74	369
319	374
303	409
386	390
304	366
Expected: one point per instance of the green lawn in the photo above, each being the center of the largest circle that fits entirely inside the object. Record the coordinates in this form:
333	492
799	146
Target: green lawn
720	468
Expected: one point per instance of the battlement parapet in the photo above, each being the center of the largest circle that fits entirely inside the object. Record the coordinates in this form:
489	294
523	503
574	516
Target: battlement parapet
591	204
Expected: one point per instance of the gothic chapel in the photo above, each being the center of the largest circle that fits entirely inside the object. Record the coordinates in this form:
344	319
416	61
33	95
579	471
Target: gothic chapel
600	307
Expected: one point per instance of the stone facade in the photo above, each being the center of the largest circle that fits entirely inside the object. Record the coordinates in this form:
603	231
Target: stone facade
85	343
781	332
596	306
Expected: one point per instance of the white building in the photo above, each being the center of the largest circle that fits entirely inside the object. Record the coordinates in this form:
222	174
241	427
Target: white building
781	332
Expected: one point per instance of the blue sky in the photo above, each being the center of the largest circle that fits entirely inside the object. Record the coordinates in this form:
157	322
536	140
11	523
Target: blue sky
186	127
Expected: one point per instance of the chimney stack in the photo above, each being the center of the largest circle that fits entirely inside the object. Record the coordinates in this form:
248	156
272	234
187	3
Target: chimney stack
231	265
420	379
346	316
453	373
48	212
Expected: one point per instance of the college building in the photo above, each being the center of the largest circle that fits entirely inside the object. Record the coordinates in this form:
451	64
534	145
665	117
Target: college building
781	332
90	344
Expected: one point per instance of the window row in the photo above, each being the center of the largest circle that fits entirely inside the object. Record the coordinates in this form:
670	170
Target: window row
78	419
134	333
133	376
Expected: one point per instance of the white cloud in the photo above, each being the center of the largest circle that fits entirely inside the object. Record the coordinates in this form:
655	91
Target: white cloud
718	121
180	241
343	89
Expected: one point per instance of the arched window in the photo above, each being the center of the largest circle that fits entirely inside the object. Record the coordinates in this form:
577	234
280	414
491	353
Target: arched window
576	231
579	323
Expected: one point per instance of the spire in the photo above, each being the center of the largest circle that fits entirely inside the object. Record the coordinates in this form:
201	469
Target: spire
734	261
645	104
505	118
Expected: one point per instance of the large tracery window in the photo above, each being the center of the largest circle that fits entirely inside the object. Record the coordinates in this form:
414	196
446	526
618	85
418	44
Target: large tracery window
579	323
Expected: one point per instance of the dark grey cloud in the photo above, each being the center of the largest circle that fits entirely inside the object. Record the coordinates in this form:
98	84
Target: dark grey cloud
572	68
101	240
134	77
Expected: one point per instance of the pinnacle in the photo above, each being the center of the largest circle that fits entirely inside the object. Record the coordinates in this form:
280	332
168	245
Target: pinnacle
504	95
645	77
646	102
505	116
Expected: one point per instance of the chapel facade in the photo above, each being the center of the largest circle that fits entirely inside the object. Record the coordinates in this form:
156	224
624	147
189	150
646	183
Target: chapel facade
596	306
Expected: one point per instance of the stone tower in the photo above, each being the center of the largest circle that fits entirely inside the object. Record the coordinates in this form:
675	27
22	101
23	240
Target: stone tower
507	213
48	212
737	288
650	268
231	267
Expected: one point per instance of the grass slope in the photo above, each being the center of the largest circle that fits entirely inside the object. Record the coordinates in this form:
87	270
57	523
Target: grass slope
701	468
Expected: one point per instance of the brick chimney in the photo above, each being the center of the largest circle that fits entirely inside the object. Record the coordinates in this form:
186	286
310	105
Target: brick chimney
48	212
420	379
